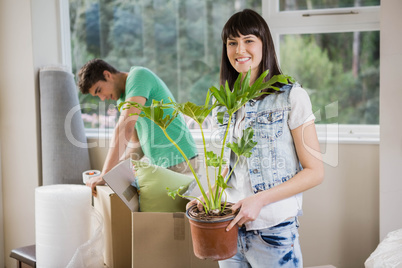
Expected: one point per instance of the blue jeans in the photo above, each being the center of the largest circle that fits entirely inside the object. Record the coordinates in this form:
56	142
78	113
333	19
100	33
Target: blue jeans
277	246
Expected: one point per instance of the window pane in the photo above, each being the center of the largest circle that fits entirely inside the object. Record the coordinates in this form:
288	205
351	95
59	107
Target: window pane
177	39
291	5
340	71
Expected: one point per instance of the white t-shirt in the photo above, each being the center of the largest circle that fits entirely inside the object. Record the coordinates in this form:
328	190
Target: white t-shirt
274	213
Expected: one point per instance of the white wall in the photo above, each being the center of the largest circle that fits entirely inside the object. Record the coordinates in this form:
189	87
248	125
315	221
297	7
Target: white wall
18	131
340	221
390	121
29	39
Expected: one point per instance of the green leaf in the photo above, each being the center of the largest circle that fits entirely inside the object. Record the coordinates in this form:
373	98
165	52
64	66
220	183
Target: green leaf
213	160
229	96
242	91
220	182
207	98
246	81
220	116
237	85
197	112
174	193
245	144
256	87
280	78
154	112
219	95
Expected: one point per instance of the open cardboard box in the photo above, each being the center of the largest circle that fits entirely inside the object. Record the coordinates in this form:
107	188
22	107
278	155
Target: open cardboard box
152	239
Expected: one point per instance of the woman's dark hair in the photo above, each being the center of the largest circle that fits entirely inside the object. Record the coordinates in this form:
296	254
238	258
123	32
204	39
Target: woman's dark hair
92	72
248	22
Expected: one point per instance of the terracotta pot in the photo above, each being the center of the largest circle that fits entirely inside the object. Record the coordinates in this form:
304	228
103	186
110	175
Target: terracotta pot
211	240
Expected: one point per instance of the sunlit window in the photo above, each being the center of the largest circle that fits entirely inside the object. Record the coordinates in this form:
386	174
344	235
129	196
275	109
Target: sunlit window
331	47
179	40
337	68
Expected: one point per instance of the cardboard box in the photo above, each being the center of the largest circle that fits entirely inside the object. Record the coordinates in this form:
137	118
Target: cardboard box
164	240
116	229
145	239
157	239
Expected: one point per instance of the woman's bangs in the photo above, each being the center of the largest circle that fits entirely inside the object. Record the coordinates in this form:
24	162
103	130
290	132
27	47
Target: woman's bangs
240	26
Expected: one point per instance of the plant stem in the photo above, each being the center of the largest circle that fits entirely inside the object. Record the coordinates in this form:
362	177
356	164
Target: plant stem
237	161
206	167
230	174
191	168
223	149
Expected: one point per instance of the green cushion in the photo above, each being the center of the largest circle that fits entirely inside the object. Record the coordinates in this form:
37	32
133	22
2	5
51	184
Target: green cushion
152	183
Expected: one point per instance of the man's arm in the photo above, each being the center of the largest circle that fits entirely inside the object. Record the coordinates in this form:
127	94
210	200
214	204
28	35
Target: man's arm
123	132
133	150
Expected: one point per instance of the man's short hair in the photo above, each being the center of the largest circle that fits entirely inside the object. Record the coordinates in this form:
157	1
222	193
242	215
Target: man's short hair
92	72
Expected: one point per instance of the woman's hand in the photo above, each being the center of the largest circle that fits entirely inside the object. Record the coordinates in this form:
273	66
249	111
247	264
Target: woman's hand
196	201
92	182
250	208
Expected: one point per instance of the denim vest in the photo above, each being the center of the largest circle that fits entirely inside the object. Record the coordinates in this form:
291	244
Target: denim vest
274	159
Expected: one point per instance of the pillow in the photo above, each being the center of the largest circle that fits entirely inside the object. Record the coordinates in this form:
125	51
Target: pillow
152	183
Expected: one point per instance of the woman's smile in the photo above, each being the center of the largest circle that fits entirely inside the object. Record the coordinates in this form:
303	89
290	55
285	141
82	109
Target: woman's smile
243	60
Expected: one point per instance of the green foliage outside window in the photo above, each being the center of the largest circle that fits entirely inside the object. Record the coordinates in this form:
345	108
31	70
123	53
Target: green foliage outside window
332	73
180	41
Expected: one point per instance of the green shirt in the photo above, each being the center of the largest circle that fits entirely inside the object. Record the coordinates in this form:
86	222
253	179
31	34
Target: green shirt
159	150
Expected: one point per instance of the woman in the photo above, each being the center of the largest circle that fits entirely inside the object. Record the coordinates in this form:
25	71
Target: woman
267	187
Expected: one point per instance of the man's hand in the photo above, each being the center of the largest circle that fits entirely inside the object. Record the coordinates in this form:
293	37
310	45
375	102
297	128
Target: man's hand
92	182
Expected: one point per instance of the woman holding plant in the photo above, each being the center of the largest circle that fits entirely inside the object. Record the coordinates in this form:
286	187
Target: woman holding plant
266	187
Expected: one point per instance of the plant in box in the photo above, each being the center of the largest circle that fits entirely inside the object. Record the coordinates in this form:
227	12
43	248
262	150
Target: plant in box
216	212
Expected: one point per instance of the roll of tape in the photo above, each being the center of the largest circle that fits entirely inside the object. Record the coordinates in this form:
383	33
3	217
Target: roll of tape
89	174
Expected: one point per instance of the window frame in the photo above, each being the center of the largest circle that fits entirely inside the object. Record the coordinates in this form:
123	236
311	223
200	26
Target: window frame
65	36
283	22
334	20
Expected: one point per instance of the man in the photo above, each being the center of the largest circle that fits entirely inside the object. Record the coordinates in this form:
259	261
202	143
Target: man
142	86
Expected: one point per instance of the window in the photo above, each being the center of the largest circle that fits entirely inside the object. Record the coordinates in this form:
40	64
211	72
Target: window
340	68
332	48
177	39
291	5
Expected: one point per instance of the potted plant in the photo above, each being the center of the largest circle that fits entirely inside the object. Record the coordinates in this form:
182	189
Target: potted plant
216	212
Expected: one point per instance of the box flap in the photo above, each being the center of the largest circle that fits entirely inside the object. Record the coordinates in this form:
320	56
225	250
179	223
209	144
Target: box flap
117	227
119	179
